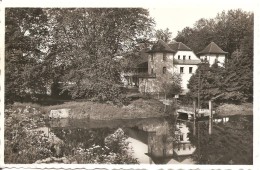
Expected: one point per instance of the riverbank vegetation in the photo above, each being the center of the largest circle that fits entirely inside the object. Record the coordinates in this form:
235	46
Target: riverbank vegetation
139	108
233	109
28	140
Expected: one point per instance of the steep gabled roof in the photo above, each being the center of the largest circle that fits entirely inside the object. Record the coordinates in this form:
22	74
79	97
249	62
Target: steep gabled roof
161	46
212	48
179	46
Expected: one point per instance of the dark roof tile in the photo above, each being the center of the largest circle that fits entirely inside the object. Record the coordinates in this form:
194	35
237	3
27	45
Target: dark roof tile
212	48
160	46
179	46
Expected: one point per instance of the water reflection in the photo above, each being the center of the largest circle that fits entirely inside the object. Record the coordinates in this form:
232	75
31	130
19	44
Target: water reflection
168	140
154	140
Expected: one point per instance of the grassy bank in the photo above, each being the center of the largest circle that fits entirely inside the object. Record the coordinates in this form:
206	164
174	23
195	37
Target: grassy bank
137	109
141	108
232	109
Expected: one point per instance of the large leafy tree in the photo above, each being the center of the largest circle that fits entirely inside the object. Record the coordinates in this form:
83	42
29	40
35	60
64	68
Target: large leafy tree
92	42
82	48
24	45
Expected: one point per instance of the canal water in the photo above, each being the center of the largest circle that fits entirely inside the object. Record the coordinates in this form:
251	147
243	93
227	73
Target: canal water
164	140
161	140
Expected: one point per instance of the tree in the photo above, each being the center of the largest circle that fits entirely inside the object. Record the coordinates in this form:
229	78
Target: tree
238	83
164	35
172	86
25	34
233	32
227	29
79	47
206	81
92	41
184	35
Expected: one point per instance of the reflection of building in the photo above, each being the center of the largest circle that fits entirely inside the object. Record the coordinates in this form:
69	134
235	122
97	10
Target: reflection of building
184	146
162	145
152	139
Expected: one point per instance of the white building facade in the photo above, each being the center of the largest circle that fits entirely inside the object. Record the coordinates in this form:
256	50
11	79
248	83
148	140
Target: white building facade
165	61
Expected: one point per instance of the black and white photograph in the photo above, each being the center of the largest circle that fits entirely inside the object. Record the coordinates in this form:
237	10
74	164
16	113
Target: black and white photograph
140	85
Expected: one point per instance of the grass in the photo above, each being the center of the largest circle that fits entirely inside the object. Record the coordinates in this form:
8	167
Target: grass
140	108
232	109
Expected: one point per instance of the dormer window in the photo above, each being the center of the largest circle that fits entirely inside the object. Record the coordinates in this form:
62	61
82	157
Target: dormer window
164	56
189	57
184	57
179	57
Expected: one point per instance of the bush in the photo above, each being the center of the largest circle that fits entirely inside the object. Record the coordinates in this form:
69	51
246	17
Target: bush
115	150
22	144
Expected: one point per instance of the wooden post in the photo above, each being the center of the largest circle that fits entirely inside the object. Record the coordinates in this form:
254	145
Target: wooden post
194	118
210	117
199	91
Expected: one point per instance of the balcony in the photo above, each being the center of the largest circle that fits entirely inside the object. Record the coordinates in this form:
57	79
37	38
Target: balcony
144	75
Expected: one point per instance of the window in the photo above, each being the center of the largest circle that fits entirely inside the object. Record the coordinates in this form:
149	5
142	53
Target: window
181	137
217	57
164	70
190	70
164	56
189	57
181	69
152	71
184	57
179	57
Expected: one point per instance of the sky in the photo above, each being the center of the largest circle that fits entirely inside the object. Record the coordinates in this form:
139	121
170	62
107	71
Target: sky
177	18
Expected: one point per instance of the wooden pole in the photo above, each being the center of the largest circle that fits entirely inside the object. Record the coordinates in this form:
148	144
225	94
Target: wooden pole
194	118
199	91
210	117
